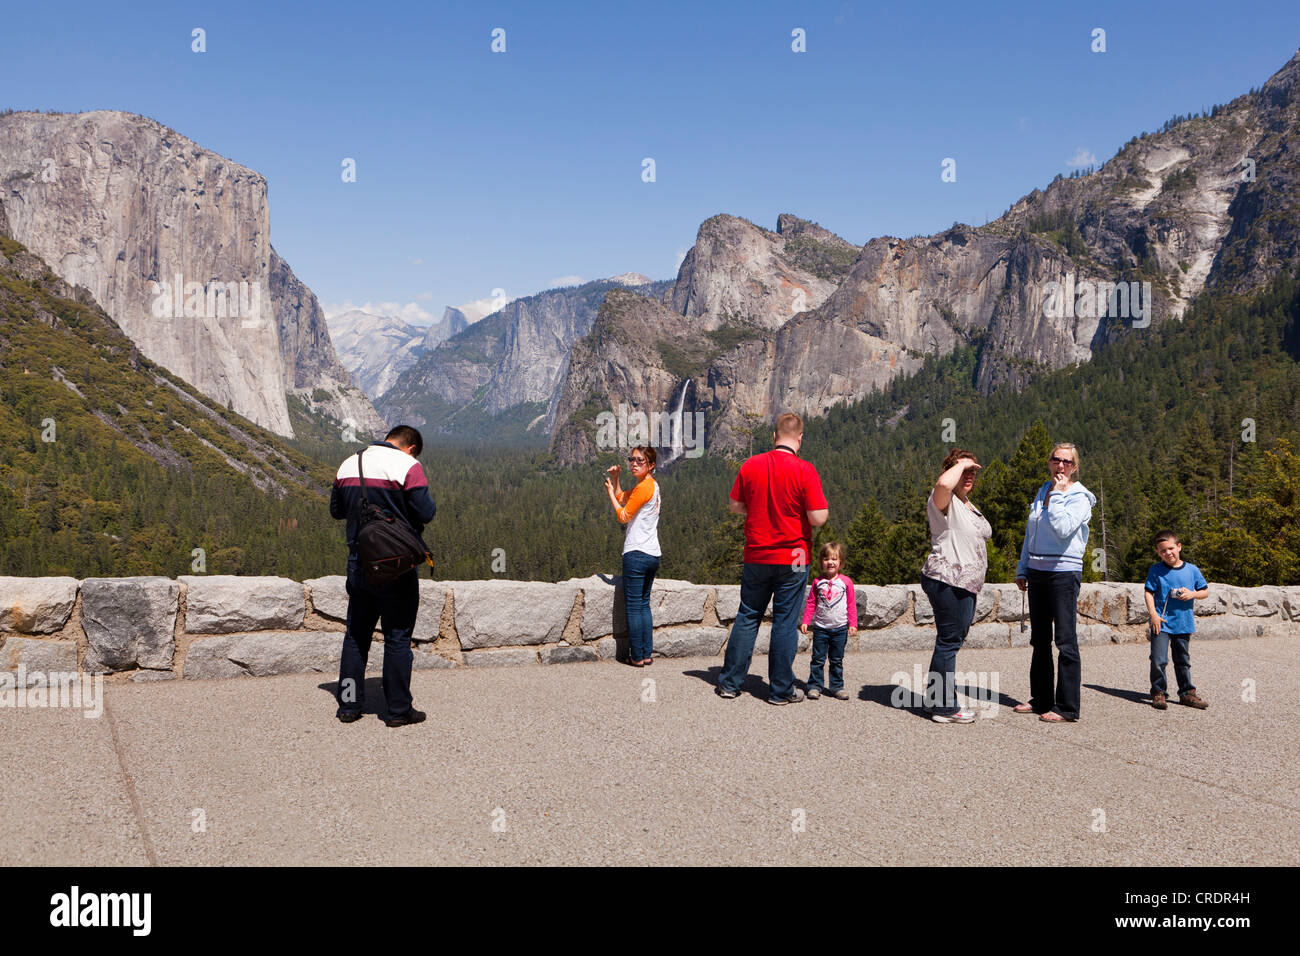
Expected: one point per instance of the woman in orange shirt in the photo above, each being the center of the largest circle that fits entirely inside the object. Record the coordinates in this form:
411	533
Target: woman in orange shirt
638	509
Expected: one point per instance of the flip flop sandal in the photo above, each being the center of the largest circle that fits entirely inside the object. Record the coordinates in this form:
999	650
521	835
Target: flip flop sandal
1023	708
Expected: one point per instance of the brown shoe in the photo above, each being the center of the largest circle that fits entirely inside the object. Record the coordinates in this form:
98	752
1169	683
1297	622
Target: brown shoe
1159	701
1192	699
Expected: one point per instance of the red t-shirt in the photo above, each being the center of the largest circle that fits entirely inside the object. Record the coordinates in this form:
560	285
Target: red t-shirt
778	490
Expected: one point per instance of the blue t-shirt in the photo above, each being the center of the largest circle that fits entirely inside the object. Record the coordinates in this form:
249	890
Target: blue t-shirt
1161	580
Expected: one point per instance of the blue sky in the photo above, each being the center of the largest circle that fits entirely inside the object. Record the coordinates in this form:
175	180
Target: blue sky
479	170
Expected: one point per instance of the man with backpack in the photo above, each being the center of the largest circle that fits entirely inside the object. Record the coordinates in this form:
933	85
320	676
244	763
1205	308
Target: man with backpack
394	483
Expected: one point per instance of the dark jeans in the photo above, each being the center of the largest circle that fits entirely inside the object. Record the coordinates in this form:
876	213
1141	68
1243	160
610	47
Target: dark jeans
1053	602
394	607
954	609
639	570
832	640
1182	662
759	584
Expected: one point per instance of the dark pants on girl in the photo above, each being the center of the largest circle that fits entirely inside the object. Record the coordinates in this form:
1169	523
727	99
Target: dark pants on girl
830	641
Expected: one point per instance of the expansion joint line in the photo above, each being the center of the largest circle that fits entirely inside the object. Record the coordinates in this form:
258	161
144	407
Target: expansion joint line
130	786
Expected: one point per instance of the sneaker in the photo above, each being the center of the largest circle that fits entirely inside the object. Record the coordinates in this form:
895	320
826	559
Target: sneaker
727	694
961	717
1159	701
1192	699
796	695
348	716
412	716
814	693
840	694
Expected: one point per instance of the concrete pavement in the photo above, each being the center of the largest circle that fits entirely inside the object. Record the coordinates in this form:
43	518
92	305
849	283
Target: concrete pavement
575	764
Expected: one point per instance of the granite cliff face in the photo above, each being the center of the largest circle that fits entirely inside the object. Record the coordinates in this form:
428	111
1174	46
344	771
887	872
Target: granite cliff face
174	242
58	344
375	349
512	361
1210	201
738	273
453	322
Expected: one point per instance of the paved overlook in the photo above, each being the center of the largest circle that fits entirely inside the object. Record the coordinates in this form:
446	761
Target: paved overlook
588	764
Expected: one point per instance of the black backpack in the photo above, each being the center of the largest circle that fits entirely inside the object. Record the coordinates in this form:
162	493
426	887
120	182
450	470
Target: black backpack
388	547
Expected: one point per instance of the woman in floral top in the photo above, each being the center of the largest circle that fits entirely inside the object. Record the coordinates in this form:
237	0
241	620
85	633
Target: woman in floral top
952	576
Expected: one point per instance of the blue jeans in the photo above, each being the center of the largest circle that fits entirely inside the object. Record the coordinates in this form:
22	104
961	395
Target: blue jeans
832	640
1053	602
954	609
639	571
759	584
1182	662
395	607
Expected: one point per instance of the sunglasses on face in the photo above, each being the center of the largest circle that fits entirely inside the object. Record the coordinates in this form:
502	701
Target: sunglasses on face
635	461
1060	461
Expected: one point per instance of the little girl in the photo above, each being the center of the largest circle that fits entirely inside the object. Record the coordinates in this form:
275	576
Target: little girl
832	610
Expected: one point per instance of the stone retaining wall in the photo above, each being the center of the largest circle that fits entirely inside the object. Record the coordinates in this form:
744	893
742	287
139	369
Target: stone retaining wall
206	626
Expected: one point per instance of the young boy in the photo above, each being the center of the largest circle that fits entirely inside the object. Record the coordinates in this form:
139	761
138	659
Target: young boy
1172	585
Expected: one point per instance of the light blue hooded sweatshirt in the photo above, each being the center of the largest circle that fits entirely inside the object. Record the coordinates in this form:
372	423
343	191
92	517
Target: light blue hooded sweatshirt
1055	538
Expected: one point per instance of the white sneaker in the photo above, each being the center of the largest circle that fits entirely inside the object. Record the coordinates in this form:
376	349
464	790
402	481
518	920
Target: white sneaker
961	717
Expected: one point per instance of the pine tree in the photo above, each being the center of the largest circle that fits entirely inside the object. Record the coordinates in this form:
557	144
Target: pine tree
866	544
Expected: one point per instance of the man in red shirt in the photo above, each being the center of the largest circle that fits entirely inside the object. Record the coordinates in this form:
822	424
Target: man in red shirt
781	497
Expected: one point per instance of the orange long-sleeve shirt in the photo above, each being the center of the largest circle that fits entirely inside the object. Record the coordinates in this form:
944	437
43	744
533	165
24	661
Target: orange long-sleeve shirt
632	499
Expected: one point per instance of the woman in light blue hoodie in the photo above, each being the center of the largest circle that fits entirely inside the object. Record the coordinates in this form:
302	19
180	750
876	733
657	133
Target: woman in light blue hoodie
1051	567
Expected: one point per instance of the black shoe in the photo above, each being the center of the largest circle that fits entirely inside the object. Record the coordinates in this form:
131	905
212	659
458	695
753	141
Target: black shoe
794	697
348	716
412	716
726	694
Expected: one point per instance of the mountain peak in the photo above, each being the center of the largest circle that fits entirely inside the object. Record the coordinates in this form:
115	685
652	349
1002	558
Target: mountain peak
790	225
630	278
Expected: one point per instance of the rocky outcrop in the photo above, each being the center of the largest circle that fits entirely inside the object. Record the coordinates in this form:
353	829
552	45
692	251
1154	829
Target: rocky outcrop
512	360
375	349
453	322
740	274
638	356
1209	201
174	242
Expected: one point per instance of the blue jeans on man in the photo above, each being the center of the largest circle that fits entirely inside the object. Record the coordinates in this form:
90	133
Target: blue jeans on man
828	641
954	609
394	607
1160	644
785	587
639	570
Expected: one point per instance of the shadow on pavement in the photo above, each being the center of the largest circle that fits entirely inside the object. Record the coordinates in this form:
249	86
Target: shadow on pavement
754	685
895	697
1123	693
982	695
375	701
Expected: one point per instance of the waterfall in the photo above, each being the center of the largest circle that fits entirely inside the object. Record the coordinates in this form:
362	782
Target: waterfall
677	444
